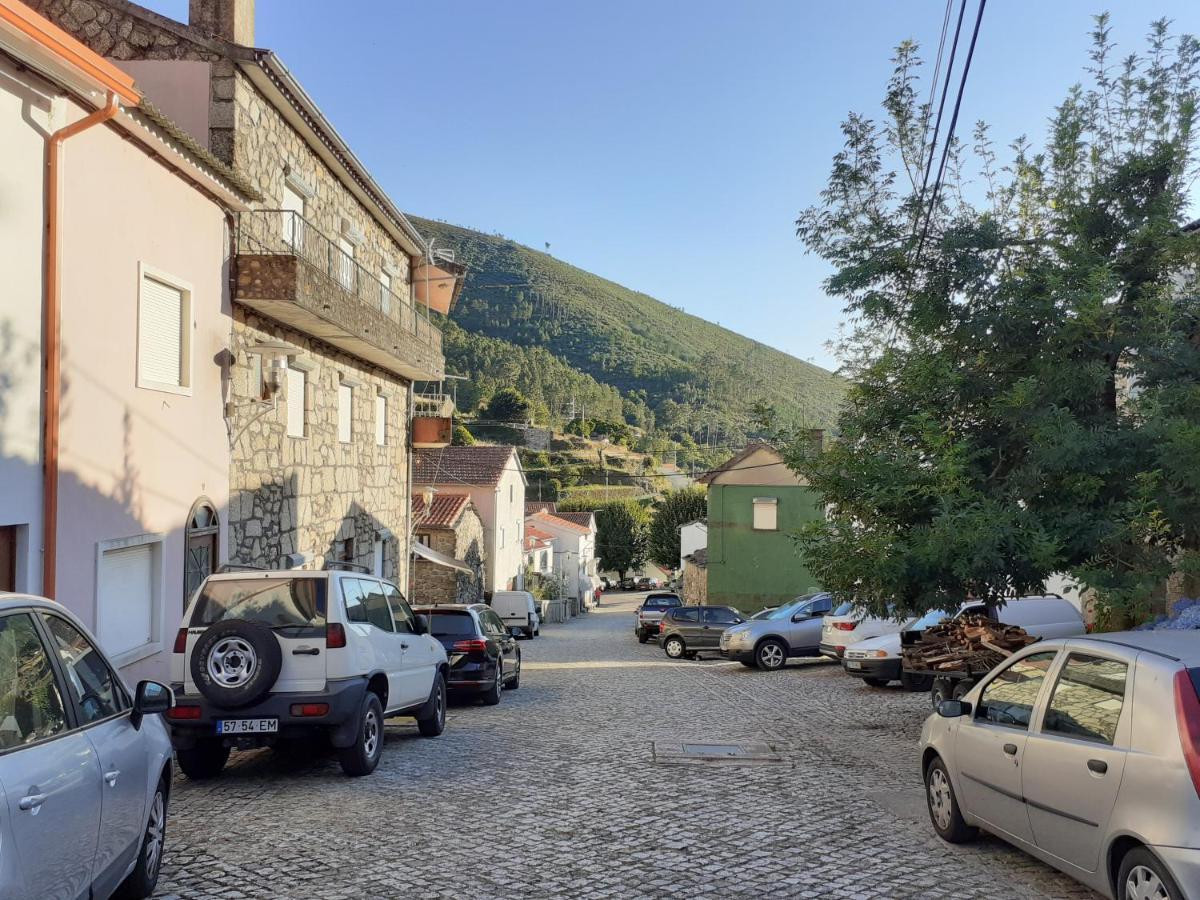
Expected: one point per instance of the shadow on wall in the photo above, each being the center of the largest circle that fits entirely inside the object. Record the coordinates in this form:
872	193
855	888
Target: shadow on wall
469	588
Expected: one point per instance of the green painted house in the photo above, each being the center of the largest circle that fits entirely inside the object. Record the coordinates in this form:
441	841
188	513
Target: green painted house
755	504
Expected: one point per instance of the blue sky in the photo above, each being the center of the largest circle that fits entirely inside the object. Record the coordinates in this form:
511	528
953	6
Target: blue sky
666	145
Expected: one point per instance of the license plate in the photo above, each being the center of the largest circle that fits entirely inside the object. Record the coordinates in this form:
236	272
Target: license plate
247	726
851	664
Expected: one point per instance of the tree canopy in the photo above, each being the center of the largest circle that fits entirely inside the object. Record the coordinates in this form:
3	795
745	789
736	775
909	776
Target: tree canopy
1025	396
676	508
508	405
621	536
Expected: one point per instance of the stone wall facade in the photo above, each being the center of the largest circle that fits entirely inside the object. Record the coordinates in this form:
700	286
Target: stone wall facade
695	584
432	583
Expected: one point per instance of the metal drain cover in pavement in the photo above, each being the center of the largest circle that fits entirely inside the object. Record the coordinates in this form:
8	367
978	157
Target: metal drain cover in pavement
682	754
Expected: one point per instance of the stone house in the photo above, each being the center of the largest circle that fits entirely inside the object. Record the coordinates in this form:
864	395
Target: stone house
332	285
495	481
574	535
449	558
115	470
694	580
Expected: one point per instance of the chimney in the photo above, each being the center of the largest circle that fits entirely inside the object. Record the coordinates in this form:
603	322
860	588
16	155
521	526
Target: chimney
230	20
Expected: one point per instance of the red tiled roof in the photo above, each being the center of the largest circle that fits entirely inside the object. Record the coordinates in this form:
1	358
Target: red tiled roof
534	531
537	506
576	518
557	519
463	465
444	513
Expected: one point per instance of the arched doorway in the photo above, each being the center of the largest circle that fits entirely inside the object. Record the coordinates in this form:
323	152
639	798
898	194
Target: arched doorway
200	548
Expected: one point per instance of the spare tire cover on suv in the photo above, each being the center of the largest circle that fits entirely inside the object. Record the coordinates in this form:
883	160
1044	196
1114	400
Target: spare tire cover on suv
235	662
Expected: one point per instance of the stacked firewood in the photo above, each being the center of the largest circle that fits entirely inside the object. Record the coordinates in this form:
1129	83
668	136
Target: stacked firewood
969	644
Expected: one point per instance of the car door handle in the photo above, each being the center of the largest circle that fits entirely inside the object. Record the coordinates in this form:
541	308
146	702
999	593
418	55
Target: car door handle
1010	749
33	801
307	651
1098	766
111	777
404	646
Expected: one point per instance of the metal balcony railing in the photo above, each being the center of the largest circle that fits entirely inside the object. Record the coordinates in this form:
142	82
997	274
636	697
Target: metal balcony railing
285	232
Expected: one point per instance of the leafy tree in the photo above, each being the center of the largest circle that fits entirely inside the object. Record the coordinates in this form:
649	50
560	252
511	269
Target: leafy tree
675	509
508	405
991	437
621	536
462	437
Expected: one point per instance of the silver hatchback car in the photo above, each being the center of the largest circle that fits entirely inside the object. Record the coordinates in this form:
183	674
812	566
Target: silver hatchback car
85	769
1085	752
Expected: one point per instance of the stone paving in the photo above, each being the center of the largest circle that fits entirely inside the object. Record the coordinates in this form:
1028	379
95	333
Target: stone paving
555	793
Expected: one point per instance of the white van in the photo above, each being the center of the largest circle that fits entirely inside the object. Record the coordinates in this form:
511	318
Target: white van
519	611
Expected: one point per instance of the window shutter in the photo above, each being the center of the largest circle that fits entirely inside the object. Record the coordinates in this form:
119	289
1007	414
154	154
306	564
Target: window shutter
385	295
380	419
160	333
765	513
293	225
125	613
345	399
295	403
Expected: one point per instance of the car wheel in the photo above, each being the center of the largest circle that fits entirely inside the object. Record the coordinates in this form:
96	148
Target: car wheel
940	691
943	805
492	697
516	679
877	682
914	683
961	688
674	647
1144	877
144	877
770	655
235	662
205	760
642	637
361	757
431	721
747	664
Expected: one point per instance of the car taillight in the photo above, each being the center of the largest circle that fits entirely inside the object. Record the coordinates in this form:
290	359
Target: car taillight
310	709
335	636
844	626
1187	717
181	641
183	712
662	626
475	645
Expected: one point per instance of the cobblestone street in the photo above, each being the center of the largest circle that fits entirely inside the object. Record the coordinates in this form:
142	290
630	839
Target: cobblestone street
555	793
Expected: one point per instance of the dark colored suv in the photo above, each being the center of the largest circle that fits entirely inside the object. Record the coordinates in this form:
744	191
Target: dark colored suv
685	630
485	658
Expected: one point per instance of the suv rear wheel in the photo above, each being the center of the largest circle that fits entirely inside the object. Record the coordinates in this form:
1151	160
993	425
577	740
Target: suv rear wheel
492	697
205	760
431	721
361	757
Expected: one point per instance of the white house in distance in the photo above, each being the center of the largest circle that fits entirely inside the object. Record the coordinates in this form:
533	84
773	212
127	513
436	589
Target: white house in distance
574	535
494	479
692	537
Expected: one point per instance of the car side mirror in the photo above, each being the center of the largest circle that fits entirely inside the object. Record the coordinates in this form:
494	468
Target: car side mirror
800	617
953	709
422	624
151	698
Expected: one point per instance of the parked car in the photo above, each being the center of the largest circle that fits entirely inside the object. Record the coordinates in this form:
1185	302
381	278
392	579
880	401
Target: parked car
518	610
644	584
1084	752
85	766
846	625
484	656
265	657
877	660
686	630
1043	617
791	631
649	614
628	584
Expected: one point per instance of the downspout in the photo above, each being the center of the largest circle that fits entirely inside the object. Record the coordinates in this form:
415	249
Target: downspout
51	349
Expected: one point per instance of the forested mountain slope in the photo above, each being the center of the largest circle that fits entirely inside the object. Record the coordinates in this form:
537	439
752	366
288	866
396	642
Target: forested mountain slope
690	374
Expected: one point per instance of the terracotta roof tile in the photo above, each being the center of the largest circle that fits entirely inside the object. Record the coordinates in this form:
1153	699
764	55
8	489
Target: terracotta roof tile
445	511
557	519
462	465
534	531
537	506
576	518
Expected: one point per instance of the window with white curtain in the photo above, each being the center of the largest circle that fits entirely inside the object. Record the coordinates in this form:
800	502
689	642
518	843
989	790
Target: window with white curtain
164	333
345	412
380	419
296	384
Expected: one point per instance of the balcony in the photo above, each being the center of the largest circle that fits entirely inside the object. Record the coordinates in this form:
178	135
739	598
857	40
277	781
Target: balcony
288	270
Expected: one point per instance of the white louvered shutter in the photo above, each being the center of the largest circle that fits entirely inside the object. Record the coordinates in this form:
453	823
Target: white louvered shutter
345	399
160	334
380	419
295	403
125	594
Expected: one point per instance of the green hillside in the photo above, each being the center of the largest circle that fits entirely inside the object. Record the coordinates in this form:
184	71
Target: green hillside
676	373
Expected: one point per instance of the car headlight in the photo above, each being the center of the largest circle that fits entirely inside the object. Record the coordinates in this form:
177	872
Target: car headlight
878	654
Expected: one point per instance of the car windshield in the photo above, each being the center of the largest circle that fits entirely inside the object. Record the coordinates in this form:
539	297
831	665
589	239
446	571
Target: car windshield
844	610
783	612
931	618
450	624
662	601
275	602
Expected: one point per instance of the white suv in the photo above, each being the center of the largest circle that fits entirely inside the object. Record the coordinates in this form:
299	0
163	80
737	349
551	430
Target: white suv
265	657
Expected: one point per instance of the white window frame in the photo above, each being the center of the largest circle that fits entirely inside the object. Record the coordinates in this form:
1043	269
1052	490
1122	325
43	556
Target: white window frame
768	508
188	324
381	407
155	644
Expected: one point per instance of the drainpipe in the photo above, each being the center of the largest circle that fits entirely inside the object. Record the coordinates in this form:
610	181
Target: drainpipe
51	349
